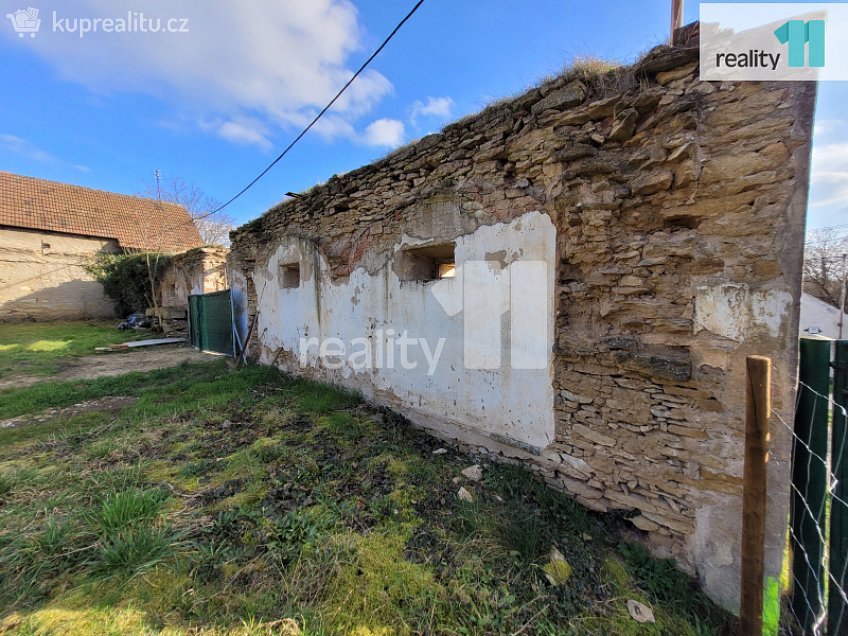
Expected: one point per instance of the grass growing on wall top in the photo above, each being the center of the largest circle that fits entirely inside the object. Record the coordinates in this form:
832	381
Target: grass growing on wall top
249	503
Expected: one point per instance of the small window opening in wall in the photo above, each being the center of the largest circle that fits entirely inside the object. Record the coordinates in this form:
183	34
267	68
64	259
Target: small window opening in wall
432	262
290	275
447	270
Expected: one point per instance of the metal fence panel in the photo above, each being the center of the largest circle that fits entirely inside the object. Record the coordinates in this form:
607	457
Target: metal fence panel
837	603
194	321
809	478
211	322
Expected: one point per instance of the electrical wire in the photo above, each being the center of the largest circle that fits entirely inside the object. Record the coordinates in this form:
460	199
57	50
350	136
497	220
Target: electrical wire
319	115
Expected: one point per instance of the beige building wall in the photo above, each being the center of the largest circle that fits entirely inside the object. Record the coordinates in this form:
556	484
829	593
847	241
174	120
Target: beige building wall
42	276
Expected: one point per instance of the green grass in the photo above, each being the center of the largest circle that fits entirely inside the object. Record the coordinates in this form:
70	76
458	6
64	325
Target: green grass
246	502
46	348
134	550
127	508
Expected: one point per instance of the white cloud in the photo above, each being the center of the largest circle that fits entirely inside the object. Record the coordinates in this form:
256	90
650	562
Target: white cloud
276	62
384	132
827	126
440	107
241	131
332	126
829	175
26	149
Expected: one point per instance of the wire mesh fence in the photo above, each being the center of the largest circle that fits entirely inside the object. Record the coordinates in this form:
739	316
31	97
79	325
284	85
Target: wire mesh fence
818	523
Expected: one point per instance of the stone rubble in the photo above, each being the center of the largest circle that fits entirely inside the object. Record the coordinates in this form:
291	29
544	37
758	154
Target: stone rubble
474	473
463	495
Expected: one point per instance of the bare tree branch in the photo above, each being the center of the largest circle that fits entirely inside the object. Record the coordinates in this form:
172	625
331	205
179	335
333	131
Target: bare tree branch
214	229
824	269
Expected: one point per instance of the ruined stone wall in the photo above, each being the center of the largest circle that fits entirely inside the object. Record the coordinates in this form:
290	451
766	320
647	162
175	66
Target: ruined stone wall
198	271
43	276
678	208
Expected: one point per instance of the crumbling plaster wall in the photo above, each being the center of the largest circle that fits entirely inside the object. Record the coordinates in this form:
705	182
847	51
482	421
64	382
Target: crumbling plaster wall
679	214
200	270
370	309
43	276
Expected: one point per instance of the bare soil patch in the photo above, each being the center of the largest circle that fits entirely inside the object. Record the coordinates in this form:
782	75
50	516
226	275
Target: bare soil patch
107	404
115	363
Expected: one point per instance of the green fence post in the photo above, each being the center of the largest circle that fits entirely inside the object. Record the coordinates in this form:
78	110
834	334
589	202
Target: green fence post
809	479
837	622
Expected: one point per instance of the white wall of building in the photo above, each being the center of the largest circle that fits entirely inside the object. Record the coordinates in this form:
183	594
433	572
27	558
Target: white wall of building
818	317
369	311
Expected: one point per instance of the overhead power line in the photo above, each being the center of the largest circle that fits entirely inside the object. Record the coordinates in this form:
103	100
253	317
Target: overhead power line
319	115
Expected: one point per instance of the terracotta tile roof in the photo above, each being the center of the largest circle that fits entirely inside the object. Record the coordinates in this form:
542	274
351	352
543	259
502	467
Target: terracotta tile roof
135	222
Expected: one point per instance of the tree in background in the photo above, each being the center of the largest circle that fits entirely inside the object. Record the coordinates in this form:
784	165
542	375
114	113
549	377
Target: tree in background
215	228
824	266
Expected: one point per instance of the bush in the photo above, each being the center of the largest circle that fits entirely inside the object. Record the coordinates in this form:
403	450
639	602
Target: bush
125	279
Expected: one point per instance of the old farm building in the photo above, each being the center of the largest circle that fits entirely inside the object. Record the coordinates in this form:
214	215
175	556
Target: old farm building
50	230
597	257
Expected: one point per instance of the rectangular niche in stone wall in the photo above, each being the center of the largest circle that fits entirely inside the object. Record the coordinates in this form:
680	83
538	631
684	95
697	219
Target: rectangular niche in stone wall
289	275
432	262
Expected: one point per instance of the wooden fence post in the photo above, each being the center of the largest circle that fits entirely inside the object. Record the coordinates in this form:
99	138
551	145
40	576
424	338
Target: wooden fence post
676	19
757	416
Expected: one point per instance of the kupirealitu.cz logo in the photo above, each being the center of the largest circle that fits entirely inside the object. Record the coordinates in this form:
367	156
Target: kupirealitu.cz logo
801	38
27	22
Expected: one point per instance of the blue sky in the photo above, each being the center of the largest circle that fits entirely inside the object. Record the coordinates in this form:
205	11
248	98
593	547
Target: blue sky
214	105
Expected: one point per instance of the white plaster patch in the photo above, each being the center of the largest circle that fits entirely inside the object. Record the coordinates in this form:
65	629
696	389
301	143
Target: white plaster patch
373	310
733	311
717	558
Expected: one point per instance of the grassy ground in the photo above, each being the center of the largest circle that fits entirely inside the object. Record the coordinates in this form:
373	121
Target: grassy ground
45	348
245	502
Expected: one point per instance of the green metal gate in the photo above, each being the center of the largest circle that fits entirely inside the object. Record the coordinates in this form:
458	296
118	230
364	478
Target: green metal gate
819	505
211	322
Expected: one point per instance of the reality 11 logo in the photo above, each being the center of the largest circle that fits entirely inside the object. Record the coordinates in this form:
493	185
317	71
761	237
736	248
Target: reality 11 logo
802	36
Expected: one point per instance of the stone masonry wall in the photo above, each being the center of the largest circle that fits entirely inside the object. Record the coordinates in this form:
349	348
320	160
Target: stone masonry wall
679	215
198	271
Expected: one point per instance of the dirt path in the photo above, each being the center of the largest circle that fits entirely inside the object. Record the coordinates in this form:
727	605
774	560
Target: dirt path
107	404
109	364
